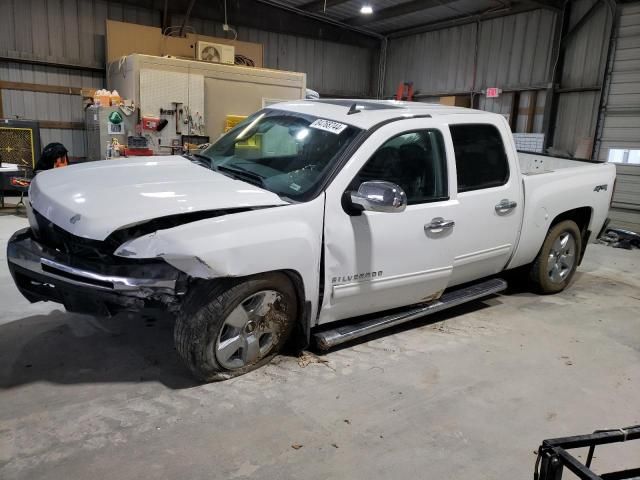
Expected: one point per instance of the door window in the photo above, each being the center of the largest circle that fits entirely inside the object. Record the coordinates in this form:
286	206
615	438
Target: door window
481	161
416	161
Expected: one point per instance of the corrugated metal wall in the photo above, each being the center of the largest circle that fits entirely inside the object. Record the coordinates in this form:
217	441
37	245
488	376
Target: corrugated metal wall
584	63
63	31
514	52
436	62
49	106
72	32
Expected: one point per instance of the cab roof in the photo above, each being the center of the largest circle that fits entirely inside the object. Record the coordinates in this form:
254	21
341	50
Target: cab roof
365	114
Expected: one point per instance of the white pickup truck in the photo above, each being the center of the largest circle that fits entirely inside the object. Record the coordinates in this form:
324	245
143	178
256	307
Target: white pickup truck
365	213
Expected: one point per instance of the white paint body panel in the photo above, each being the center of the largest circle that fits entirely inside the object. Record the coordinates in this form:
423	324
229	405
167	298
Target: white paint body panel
415	266
109	195
282	238
556	187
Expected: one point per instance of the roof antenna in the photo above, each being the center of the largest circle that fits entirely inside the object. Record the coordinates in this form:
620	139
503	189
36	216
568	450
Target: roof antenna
353	109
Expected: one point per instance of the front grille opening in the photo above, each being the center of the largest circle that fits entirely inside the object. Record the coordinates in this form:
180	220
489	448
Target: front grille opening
77	278
35	287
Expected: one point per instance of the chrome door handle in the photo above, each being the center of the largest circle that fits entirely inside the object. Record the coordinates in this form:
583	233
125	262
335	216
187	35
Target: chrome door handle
439	224
506	205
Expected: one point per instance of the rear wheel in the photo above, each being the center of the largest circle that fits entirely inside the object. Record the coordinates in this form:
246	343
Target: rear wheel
557	260
230	328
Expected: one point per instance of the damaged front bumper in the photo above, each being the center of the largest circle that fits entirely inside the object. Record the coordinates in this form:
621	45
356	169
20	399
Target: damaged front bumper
42	273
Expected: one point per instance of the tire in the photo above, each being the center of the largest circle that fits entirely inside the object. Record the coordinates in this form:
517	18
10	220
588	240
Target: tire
222	323
554	268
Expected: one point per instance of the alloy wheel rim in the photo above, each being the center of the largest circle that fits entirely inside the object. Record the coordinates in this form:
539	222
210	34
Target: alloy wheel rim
562	258
251	330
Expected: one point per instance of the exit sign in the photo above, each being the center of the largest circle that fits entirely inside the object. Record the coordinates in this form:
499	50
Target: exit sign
493	92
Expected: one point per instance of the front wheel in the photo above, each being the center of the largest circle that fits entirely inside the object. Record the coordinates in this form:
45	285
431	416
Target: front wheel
229	328
557	260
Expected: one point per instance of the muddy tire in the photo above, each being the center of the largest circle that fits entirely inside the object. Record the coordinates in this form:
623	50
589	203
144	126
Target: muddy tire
557	260
231	327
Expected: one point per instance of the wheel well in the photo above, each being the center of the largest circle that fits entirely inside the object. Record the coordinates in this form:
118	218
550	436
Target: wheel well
581	216
302	333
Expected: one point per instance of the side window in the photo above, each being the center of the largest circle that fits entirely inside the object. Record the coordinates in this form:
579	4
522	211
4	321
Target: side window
481	160
416	161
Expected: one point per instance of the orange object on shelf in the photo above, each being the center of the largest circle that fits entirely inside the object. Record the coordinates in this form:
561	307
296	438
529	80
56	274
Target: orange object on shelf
102	100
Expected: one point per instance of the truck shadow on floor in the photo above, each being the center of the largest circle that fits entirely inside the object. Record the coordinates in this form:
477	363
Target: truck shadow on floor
67	348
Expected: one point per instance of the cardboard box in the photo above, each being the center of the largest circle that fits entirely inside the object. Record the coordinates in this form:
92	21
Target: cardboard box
456	101
124	39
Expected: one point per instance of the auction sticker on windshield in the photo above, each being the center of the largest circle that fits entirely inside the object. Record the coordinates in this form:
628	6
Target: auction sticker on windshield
329	126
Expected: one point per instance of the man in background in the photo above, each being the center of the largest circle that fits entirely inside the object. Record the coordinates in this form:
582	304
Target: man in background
54	155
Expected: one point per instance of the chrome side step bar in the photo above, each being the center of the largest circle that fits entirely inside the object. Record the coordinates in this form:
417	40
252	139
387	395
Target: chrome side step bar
330	338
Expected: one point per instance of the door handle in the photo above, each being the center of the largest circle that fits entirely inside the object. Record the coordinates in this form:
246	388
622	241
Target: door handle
505	205
439	224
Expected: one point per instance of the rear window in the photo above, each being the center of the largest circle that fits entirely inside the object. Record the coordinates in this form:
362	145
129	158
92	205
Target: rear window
481	161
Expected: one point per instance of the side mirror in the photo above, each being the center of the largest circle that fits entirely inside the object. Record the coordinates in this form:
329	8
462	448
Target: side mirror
379	196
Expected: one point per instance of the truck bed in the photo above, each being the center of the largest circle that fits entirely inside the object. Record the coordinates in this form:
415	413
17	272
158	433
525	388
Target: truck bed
554	185
536	164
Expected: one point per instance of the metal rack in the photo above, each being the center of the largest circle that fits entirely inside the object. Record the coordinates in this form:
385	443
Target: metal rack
553	456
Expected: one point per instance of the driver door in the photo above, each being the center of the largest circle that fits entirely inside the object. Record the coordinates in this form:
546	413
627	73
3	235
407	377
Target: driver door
377	261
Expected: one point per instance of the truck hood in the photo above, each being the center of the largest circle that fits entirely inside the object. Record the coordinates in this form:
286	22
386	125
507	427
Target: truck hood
94	199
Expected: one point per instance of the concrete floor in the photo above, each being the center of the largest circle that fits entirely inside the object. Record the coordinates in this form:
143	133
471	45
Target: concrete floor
469	394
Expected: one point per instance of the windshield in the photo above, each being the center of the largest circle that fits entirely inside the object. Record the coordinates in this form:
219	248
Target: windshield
284	152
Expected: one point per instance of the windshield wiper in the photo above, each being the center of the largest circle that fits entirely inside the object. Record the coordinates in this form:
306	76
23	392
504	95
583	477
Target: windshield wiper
200	160
242	174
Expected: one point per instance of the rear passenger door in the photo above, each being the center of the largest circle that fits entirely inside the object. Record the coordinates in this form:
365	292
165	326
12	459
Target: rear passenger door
489	194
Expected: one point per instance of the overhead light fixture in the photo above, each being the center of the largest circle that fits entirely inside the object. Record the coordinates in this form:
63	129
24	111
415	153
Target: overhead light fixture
366	9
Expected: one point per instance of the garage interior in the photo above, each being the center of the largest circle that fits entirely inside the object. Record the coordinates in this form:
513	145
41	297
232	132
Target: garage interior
468	392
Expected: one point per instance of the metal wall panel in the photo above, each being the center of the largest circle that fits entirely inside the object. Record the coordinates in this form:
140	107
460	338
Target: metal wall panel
514	52
331	68
63	31
584	63
586	51
49	106
437	62
576	117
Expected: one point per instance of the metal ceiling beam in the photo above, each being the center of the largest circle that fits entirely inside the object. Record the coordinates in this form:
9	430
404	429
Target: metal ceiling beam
584	19
461	20
397	10
274	16
555	5
320	5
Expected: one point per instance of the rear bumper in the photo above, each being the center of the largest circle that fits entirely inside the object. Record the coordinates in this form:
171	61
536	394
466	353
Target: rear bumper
45	274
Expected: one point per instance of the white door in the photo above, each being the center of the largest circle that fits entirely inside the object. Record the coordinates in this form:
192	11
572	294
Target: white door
377	261
489	194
